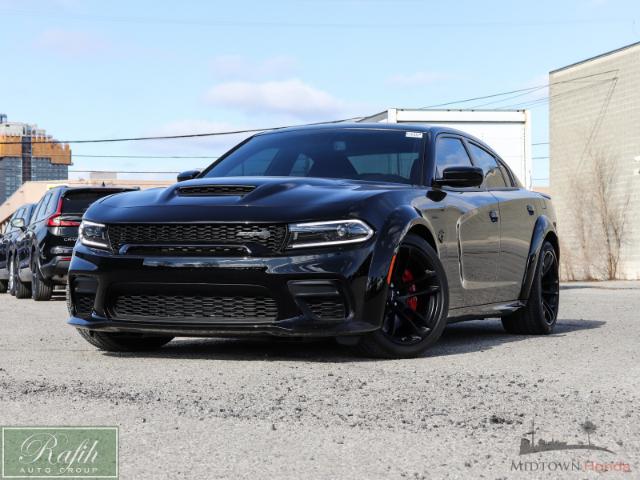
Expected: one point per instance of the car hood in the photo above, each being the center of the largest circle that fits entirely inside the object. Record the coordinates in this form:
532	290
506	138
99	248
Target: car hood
274	199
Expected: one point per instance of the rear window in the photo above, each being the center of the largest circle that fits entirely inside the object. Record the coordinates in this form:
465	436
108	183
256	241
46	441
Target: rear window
79	202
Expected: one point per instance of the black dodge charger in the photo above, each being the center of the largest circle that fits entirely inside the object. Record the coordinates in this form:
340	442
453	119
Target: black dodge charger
377	235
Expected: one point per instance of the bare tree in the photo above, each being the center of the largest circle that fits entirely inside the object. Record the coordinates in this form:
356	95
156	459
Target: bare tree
599	201
612	209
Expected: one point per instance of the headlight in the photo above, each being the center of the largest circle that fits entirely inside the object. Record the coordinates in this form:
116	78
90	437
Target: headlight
93	234
321	234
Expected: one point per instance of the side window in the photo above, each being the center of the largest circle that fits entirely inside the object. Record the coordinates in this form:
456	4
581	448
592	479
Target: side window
450	152
492	173
52	205
508	177
13	217
41	208
36	212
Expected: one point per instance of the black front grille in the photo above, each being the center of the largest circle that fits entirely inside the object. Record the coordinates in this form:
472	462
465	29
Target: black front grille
326	308
269	237
195	308
215	190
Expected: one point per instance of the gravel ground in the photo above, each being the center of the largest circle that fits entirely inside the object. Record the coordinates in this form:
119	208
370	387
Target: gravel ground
247	409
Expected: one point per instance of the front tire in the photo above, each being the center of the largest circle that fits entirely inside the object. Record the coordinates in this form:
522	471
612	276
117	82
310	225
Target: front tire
540	314
417	304
4	286
121	342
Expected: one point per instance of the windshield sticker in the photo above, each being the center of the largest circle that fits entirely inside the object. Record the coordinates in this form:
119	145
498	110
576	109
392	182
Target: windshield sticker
413	135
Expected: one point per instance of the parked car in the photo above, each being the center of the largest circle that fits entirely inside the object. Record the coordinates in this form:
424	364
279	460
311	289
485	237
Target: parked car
375	234
43	253
12	233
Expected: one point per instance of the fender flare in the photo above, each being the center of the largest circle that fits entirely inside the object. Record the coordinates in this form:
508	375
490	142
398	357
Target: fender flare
396	226
542	228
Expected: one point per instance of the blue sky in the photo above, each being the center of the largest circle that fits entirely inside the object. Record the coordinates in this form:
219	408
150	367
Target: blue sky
94	69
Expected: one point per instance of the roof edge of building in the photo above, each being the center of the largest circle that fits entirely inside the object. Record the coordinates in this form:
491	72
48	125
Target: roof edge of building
605	54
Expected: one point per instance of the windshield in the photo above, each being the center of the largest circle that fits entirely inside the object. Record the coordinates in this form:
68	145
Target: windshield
375	155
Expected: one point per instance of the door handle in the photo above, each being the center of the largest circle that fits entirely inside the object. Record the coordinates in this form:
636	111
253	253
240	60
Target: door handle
493	215
531	210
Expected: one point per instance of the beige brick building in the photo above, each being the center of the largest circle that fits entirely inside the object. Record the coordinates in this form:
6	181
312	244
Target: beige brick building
595	164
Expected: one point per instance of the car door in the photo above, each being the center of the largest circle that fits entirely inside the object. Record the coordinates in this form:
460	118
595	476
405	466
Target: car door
5	242
26	239
472	218
517	207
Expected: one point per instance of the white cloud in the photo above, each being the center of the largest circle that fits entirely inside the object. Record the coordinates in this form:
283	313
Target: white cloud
237	67
416	79
70	43
289	97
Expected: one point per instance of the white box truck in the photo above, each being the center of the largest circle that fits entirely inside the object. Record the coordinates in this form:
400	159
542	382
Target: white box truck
508	132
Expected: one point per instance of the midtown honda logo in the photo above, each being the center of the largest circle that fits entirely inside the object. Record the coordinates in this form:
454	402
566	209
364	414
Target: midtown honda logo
529	446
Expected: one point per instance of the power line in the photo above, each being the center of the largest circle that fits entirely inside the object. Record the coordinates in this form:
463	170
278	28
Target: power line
530	89
545	99
188	135
147	156
160	157
328	122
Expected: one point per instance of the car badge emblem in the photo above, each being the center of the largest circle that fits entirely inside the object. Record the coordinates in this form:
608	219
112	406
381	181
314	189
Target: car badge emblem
261	234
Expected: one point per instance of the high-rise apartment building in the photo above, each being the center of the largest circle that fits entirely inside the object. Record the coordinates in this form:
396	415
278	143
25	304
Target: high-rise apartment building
28	153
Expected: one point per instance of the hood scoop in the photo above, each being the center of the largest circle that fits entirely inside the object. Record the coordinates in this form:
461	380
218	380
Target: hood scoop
215	190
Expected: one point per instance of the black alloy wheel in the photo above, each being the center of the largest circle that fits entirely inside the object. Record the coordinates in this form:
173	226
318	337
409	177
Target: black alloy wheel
414	294
417	303
550	287
540	314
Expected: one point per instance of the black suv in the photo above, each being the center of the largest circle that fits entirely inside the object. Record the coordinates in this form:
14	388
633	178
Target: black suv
8	239
44	252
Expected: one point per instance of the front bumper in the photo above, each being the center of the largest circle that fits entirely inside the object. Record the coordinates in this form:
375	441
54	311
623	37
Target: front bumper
314	294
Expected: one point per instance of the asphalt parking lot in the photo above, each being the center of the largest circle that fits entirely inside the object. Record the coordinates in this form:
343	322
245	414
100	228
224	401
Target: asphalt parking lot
250	409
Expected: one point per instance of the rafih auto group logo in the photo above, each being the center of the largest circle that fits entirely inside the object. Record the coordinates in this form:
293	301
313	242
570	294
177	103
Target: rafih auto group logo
529	446
60	452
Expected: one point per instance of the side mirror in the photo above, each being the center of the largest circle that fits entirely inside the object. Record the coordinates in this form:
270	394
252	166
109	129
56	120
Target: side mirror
460	177
188	175
18	223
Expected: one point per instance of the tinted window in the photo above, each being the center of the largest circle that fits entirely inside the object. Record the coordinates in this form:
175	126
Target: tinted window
79	202
450	152
52	204
17	214
492	174
391	156
41	208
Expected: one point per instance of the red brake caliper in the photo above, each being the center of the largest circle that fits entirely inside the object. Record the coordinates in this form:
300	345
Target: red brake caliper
412	302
